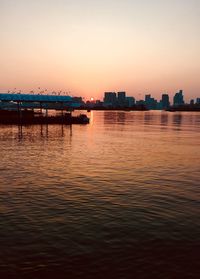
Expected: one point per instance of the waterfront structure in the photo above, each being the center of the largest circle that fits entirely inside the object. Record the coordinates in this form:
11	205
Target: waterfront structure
178	98
39	101
23	109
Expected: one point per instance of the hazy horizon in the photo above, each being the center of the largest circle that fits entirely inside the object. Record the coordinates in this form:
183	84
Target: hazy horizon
89	47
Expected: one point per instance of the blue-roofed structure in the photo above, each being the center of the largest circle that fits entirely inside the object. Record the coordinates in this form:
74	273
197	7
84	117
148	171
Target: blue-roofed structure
5	97
57	102
20	109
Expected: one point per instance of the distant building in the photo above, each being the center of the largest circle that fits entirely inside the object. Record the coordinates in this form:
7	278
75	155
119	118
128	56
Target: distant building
150	102
130	102
165	101
98	104
78	99
110	99
191	102
121	98
140	102
198	101
178	98
147	98
159	105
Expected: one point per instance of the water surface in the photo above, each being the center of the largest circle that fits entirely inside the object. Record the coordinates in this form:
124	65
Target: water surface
118	198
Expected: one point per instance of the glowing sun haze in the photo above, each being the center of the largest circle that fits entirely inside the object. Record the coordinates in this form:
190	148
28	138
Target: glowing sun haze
91	46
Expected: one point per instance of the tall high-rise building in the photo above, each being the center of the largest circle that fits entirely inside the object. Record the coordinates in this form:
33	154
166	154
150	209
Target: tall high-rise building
165	101
121	98
110	98
147	98
198	101
150	102
178	98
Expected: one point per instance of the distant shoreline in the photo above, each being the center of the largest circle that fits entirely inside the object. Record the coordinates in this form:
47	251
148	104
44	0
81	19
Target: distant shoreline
139	109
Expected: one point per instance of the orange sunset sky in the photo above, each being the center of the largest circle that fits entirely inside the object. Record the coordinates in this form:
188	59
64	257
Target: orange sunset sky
87	47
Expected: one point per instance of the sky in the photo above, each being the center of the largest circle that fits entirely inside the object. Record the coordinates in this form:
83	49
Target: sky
87	47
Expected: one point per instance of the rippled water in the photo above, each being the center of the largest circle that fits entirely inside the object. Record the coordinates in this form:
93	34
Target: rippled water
118	198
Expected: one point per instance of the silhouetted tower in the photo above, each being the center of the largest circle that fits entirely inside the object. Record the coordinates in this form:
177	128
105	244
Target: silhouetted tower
121	96
121	99
110	98
165	101
178	98
130	101
147	98
150	102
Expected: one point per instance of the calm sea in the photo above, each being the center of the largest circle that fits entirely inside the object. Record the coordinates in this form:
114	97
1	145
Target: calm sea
118	198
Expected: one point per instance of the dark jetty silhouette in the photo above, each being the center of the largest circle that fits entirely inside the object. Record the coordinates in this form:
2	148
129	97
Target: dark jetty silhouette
32	117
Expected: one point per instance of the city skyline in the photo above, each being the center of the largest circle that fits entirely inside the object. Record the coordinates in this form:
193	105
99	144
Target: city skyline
87	47
110	100
137	97
119	99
